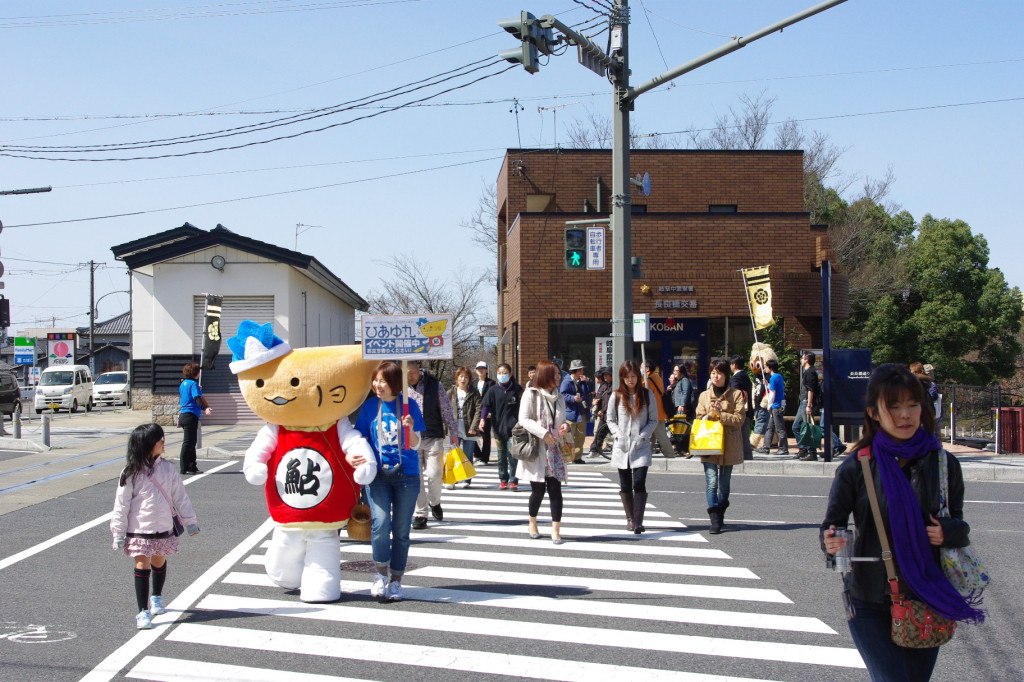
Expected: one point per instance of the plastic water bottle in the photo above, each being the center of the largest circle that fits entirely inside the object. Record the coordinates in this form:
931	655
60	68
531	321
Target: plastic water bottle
842	557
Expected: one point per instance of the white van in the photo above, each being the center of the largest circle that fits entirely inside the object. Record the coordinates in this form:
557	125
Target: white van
64	387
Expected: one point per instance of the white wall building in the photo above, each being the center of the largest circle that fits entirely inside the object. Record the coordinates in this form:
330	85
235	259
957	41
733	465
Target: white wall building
171	273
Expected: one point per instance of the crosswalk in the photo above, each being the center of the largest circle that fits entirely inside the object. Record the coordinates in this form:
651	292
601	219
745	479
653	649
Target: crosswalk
484	599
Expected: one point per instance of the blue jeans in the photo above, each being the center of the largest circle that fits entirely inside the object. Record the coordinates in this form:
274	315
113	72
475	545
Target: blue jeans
886	662
760	420
506	463
716	483
468	446
391	505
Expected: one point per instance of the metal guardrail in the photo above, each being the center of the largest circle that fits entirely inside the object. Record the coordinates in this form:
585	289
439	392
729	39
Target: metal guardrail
971	414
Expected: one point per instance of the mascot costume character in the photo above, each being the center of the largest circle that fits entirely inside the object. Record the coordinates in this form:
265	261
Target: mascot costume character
760	353
299	455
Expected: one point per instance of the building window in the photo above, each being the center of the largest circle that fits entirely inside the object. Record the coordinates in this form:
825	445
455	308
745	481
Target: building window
728	336
540	203
722	208
570	340
638	208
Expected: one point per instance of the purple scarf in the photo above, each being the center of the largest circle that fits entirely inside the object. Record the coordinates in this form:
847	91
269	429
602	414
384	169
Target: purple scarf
909	539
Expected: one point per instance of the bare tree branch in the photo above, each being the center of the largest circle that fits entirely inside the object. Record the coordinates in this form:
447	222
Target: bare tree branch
409	287
483	223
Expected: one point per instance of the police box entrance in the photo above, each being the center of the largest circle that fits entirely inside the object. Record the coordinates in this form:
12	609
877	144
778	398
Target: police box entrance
678	341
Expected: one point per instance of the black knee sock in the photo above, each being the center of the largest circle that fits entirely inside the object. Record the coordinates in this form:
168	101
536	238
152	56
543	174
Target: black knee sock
142	588
159	575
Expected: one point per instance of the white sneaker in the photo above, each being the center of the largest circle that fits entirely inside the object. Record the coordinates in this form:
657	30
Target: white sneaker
449	486
465	484
379	585
143	621
393	591
156	605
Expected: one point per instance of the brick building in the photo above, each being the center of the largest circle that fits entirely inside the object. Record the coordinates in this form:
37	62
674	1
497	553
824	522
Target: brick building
709	214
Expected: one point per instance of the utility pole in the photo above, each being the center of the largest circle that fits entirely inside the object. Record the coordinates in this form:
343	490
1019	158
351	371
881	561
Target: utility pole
92	314
622	210
537	37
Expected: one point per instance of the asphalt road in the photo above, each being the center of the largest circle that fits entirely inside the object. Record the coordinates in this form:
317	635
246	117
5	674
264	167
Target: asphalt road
752	603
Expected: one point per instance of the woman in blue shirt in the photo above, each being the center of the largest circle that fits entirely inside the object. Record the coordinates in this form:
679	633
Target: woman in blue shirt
192	405
392	494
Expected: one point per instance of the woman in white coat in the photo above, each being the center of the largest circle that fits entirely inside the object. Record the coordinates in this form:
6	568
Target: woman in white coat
632	418
542	413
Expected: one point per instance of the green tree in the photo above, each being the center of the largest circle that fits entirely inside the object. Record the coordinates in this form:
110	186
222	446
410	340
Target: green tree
954	311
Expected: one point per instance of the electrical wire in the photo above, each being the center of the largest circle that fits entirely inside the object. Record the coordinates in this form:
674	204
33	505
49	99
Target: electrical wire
49	21
590	6
274	139
382	95
256	196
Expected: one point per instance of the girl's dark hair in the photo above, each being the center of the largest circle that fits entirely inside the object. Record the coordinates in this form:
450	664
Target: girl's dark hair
721	366
190	370
548	376
392	375
889	383
634	407
140	450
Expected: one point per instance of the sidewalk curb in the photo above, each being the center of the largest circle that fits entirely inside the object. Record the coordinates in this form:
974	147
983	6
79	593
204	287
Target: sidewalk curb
7	443
972	471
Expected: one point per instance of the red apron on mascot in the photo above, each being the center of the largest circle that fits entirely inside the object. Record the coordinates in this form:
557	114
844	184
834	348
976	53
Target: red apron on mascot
309	480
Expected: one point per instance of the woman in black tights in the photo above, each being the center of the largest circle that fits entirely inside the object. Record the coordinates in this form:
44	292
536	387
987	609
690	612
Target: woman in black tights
632	418
542	413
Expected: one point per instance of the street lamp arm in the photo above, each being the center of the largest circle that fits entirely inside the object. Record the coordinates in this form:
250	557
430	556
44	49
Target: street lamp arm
729	47
96	303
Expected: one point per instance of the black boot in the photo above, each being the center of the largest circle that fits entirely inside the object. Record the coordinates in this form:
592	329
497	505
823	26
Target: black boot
639	506
715	514
627	505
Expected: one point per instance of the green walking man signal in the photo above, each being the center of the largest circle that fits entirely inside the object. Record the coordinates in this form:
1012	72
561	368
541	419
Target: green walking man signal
575	249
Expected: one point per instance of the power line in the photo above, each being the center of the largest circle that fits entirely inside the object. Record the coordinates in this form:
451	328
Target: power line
255	196
97	18
382	95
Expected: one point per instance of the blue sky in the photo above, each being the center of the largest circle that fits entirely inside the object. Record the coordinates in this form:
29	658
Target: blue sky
94	72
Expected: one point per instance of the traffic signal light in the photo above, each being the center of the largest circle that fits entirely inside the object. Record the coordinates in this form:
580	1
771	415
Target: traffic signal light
535	40
5	312
575	249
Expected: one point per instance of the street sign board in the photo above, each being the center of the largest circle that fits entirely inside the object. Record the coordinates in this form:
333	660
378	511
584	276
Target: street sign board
641	327
60	348
603	352
595	248
423	337
24	351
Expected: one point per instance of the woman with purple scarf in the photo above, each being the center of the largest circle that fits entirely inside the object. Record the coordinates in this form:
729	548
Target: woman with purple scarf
905	463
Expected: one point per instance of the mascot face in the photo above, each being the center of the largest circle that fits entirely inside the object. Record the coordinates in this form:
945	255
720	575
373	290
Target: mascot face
308	386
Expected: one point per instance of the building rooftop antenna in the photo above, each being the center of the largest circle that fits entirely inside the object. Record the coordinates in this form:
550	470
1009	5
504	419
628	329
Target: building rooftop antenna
554	117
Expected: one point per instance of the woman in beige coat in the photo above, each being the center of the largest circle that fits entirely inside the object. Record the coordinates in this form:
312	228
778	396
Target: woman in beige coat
721	403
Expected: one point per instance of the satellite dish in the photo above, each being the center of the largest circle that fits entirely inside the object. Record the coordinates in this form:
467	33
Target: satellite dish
647	184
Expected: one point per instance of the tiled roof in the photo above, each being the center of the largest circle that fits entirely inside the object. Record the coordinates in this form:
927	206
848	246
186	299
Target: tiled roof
122	324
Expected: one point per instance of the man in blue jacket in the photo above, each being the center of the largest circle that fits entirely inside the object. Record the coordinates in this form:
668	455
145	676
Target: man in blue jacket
576	392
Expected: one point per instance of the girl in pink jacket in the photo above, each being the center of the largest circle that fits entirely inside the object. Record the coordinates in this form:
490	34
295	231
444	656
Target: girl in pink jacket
149	495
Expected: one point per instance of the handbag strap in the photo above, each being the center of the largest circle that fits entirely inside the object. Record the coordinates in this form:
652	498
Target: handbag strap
163	492
864	455
943	485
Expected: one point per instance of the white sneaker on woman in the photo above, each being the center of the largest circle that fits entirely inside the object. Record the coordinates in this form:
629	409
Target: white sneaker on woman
393	591
379	585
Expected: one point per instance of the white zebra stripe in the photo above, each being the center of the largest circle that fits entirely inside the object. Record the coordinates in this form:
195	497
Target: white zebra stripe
544	632
443	658
161	669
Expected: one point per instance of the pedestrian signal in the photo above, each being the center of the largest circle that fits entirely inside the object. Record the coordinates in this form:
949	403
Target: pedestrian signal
575	249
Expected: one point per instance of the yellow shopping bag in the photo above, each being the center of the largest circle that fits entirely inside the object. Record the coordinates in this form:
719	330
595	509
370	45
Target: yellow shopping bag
707	437
457	467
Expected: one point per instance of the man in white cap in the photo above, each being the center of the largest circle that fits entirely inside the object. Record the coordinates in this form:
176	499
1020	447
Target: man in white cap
483	383
576	392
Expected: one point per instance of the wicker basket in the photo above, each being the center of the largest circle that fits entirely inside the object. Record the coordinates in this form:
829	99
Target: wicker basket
359	523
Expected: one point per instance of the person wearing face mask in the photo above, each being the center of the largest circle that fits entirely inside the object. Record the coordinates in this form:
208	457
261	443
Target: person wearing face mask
727	405
501	406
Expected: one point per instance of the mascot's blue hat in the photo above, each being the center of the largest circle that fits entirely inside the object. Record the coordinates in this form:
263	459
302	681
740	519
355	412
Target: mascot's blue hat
255	345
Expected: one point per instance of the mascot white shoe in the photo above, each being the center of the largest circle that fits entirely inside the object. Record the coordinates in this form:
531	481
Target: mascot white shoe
300	455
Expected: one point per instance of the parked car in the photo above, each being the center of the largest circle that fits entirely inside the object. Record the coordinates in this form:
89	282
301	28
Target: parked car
64	387
111	388
10	394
